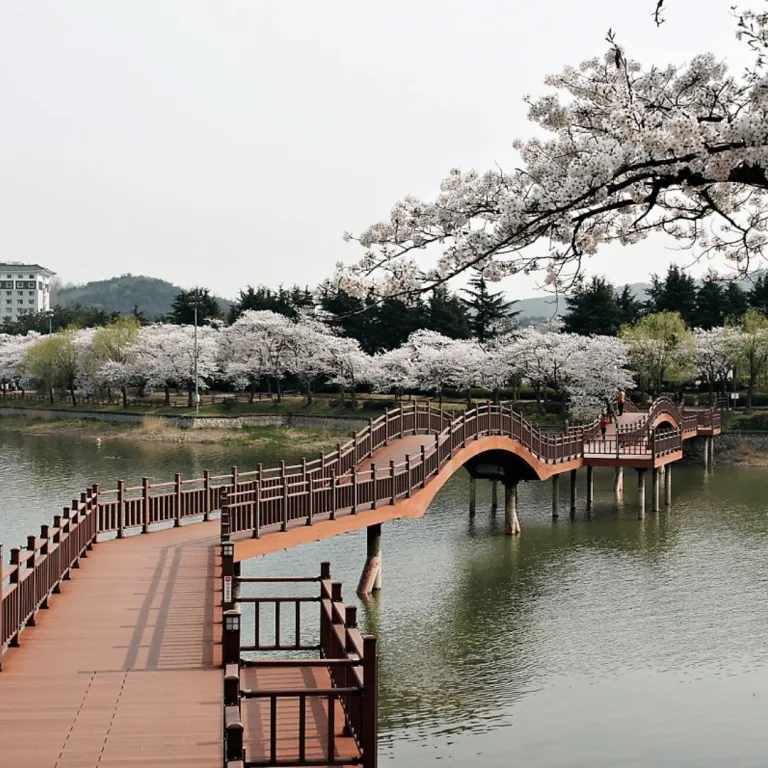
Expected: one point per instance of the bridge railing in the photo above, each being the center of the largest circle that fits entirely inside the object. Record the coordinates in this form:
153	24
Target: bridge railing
37	571
349	662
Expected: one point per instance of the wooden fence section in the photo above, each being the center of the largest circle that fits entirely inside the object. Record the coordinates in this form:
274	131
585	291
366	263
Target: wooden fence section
299	711
35	573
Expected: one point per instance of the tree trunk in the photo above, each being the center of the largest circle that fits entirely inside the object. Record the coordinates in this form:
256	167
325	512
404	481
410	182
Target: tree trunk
440	397
73	395
190	400
469	397
124	392
50	395
537	390
496	395
167	395
751	390
251	392
279	386
711	391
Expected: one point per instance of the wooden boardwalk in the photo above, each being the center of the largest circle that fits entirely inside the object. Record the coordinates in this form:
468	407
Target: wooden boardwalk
123	669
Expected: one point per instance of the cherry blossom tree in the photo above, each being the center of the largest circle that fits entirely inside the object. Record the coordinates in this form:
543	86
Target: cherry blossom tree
166	356
393	371
750	345
432	368
628	150
716	353
13	350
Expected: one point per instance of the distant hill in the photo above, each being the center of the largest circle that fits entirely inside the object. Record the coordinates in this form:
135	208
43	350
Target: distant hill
546	307
121	294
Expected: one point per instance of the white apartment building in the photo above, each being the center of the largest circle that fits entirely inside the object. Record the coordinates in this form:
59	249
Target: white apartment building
24	288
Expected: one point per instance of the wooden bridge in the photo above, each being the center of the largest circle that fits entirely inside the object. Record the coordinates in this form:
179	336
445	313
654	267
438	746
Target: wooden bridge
141	661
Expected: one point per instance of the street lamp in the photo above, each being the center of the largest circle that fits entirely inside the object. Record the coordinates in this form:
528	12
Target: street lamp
197	390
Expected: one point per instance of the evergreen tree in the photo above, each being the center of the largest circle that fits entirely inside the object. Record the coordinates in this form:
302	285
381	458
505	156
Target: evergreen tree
183	307
283	301
630	308
351	315
446	313
758	295
675	293
736	303
710	304
488	312
392	321
593	309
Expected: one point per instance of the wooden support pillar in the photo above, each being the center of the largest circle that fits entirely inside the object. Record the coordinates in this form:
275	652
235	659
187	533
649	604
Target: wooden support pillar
494	495
590	488
511	523
711	452
706	452
370	579
618	483
668	485
555	496
641	493
472	495
574	478
656	489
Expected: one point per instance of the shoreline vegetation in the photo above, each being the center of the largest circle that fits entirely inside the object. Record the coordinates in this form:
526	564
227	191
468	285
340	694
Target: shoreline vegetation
154	430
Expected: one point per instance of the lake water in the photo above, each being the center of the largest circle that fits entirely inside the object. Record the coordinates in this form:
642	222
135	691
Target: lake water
602	642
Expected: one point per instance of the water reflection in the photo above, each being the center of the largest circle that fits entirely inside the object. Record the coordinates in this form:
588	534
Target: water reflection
602	641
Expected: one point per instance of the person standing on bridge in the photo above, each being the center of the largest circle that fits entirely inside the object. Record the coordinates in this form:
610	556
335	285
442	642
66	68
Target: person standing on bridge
621	398
609	409
604	421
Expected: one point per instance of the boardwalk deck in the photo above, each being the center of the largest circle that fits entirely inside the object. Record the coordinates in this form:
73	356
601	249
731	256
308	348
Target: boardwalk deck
257	722
122	670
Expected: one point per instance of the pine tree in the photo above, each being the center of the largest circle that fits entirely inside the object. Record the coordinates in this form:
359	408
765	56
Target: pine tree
630	308
446	313
593	309
185	302
758	295
736	301
675	293
488	312
710	304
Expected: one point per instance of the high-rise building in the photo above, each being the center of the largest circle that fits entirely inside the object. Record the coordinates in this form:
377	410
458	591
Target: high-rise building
24	289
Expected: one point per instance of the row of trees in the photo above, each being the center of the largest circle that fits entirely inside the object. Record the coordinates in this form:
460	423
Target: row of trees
307	351
264	347
598	307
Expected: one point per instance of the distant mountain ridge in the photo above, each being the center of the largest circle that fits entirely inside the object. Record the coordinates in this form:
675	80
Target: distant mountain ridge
150	295
551	306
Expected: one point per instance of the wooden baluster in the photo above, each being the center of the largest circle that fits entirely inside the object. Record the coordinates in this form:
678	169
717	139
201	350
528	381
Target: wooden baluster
284	481
146	517
207	495
375	494
120	509
177	500
257	506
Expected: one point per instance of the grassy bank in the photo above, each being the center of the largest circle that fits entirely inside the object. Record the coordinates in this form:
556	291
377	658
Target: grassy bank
155	430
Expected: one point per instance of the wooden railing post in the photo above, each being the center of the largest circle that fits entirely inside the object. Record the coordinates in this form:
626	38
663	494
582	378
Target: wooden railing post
207	495
354	490
31	562
373	493
284	481
386	426
423	467
408	476
332	514
257	506
227	551
370	736
370	438
235	476
145	504
224	520
120	509
177	501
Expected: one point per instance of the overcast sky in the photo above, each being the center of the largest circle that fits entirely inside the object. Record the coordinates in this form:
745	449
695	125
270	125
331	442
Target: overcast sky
224	143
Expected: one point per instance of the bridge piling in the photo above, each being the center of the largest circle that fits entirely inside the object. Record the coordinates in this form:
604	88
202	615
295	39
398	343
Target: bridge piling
618	483
641	494
574	478
370	579
511	523
590	489
555	497
494	495
472	495
668	485
656	489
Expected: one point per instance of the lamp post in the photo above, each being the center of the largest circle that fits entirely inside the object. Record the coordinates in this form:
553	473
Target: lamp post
197	392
